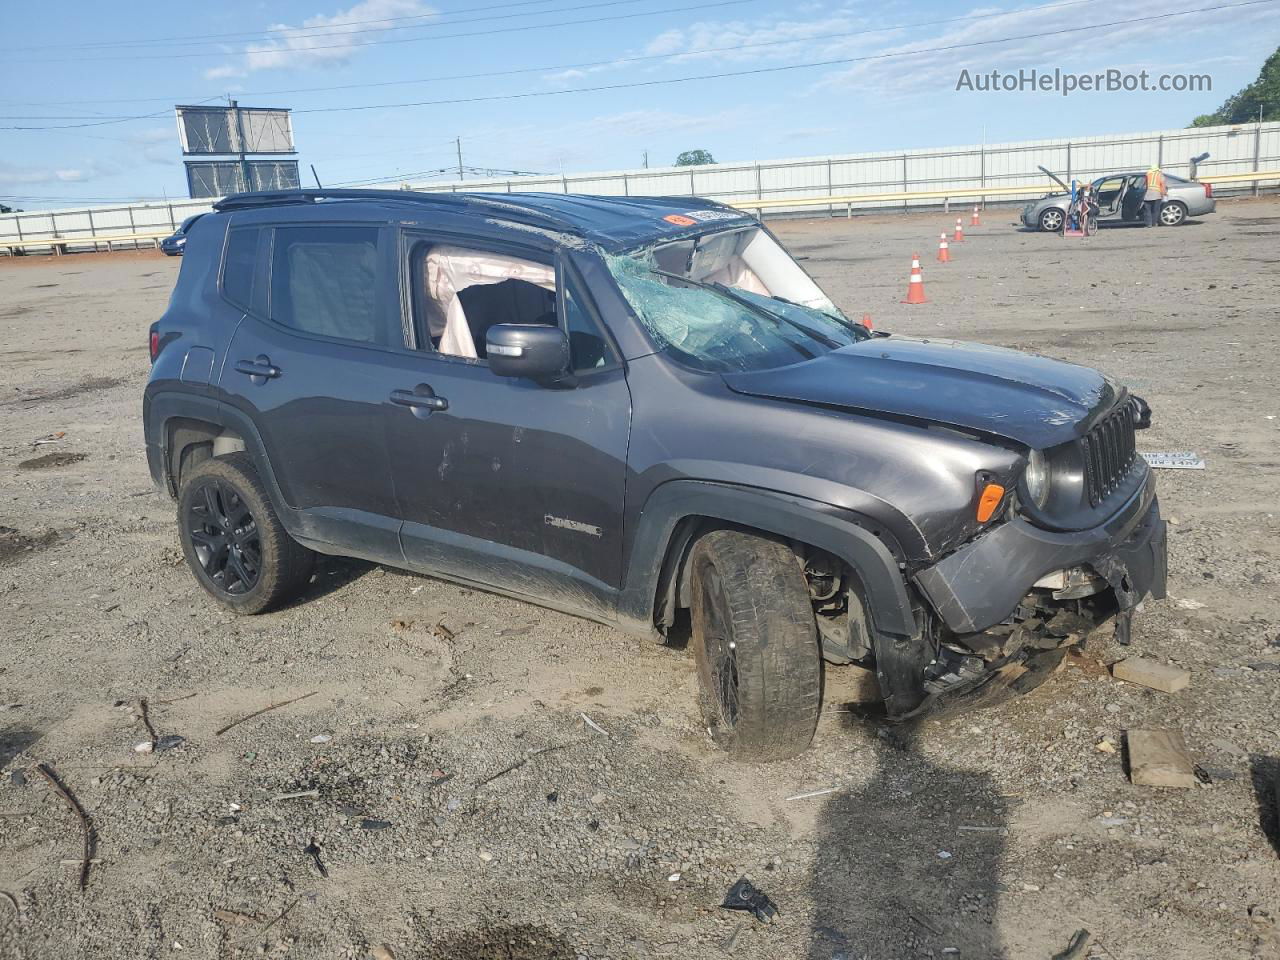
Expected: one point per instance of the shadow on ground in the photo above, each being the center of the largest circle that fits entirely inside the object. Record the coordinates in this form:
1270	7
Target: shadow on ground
896	875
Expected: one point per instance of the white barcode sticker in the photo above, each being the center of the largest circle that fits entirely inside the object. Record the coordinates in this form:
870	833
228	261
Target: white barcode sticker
1175	460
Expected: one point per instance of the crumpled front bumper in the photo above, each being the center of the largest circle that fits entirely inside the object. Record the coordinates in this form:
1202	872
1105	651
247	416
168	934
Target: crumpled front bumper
981	584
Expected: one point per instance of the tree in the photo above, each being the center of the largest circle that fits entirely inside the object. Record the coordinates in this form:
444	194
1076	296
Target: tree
694	158
1261	95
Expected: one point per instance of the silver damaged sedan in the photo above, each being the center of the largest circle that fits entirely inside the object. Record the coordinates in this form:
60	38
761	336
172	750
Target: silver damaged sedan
1120	198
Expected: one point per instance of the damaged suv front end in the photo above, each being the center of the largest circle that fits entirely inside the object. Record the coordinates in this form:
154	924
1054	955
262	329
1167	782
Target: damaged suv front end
1082	542
1004	488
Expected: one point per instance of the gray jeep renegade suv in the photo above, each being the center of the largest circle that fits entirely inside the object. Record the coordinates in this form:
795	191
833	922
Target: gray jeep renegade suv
640	410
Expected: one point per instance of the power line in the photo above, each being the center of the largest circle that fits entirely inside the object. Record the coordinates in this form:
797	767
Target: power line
615	61
333	31
278	30
397	40
839	61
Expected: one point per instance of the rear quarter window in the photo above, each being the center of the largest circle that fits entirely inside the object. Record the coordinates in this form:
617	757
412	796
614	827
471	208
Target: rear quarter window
239	265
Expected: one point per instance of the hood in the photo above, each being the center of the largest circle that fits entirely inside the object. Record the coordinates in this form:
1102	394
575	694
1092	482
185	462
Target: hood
1020	396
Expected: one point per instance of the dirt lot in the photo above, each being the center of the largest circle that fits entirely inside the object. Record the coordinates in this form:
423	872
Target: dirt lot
993	833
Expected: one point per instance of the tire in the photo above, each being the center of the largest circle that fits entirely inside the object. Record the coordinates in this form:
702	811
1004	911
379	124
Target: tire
1173	214
234	543
756	646
1052	220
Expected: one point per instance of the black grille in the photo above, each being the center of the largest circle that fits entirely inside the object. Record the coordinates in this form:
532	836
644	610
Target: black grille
1109	452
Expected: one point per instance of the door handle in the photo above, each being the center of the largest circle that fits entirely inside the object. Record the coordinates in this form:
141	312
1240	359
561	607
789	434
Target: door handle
259	370
422	400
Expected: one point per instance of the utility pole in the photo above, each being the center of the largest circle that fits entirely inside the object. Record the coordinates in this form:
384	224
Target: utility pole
244	164
458	141
646	160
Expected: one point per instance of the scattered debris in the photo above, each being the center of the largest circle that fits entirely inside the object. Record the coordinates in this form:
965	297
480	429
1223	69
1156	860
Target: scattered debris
48	438
1076	947
257	713
1159	758
175	699
966	828
86	828
521	762
1186	603
285	912
928	926
1149	673
322	738
593	725
743	895
368	824
1105	745
1174	460
312	850
50	460
944	854
1215	774
813	793
234	917
298	795
382	951
674	878
441	632
18	778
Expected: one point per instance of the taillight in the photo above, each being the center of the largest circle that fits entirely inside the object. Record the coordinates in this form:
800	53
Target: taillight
155	344
1208	190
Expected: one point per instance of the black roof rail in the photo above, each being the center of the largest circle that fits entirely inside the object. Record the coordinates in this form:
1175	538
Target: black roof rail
506	206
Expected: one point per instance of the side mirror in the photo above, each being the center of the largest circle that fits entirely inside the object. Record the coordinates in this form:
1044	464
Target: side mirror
533	351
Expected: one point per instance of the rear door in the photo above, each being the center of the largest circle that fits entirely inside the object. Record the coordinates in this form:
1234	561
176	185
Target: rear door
512	484
309	366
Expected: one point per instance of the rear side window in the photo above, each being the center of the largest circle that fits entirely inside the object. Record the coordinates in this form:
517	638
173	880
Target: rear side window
324	280
240	266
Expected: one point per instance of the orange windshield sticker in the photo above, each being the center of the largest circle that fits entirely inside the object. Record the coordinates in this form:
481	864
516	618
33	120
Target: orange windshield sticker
679	220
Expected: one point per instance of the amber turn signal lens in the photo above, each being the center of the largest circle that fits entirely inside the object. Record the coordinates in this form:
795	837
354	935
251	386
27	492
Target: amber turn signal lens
992	494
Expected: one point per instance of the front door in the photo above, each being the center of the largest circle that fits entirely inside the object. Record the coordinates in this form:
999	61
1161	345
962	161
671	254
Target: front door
504	482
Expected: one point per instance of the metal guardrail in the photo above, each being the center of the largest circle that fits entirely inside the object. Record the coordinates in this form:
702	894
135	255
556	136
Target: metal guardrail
60	244
959	193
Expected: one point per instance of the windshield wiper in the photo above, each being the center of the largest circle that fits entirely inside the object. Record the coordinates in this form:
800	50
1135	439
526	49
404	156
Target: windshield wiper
755	308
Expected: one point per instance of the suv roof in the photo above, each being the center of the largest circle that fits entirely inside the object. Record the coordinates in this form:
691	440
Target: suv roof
612	222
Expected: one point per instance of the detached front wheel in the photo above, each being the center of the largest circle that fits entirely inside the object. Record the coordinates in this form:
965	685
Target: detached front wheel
756	646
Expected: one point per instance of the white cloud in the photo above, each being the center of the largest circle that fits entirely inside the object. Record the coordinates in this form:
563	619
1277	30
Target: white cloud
321	40
11	176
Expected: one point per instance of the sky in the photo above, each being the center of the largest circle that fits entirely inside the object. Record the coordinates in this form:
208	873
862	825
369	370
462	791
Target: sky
376	86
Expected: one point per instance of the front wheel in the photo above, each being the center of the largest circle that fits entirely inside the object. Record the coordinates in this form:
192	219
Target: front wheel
234	542
756	646
1052	220
1173	214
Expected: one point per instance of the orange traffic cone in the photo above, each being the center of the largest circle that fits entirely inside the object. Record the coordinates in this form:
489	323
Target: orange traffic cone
866	321
975	221
959	238
944	255
915	286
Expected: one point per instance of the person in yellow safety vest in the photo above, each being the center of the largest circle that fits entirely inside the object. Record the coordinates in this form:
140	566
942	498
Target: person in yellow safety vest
1153	201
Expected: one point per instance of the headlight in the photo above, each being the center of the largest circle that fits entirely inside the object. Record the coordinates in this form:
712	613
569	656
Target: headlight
1037	477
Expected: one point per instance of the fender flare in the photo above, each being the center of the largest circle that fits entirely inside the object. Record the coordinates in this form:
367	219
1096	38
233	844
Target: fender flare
164	406
658	547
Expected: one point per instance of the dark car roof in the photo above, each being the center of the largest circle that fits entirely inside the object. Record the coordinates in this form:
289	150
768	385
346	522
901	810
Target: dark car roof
615	223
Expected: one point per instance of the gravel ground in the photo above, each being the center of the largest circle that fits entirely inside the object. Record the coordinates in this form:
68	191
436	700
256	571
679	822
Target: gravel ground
454	802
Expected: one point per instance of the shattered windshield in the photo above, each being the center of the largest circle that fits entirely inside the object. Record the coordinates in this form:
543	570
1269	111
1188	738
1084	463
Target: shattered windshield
731	301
